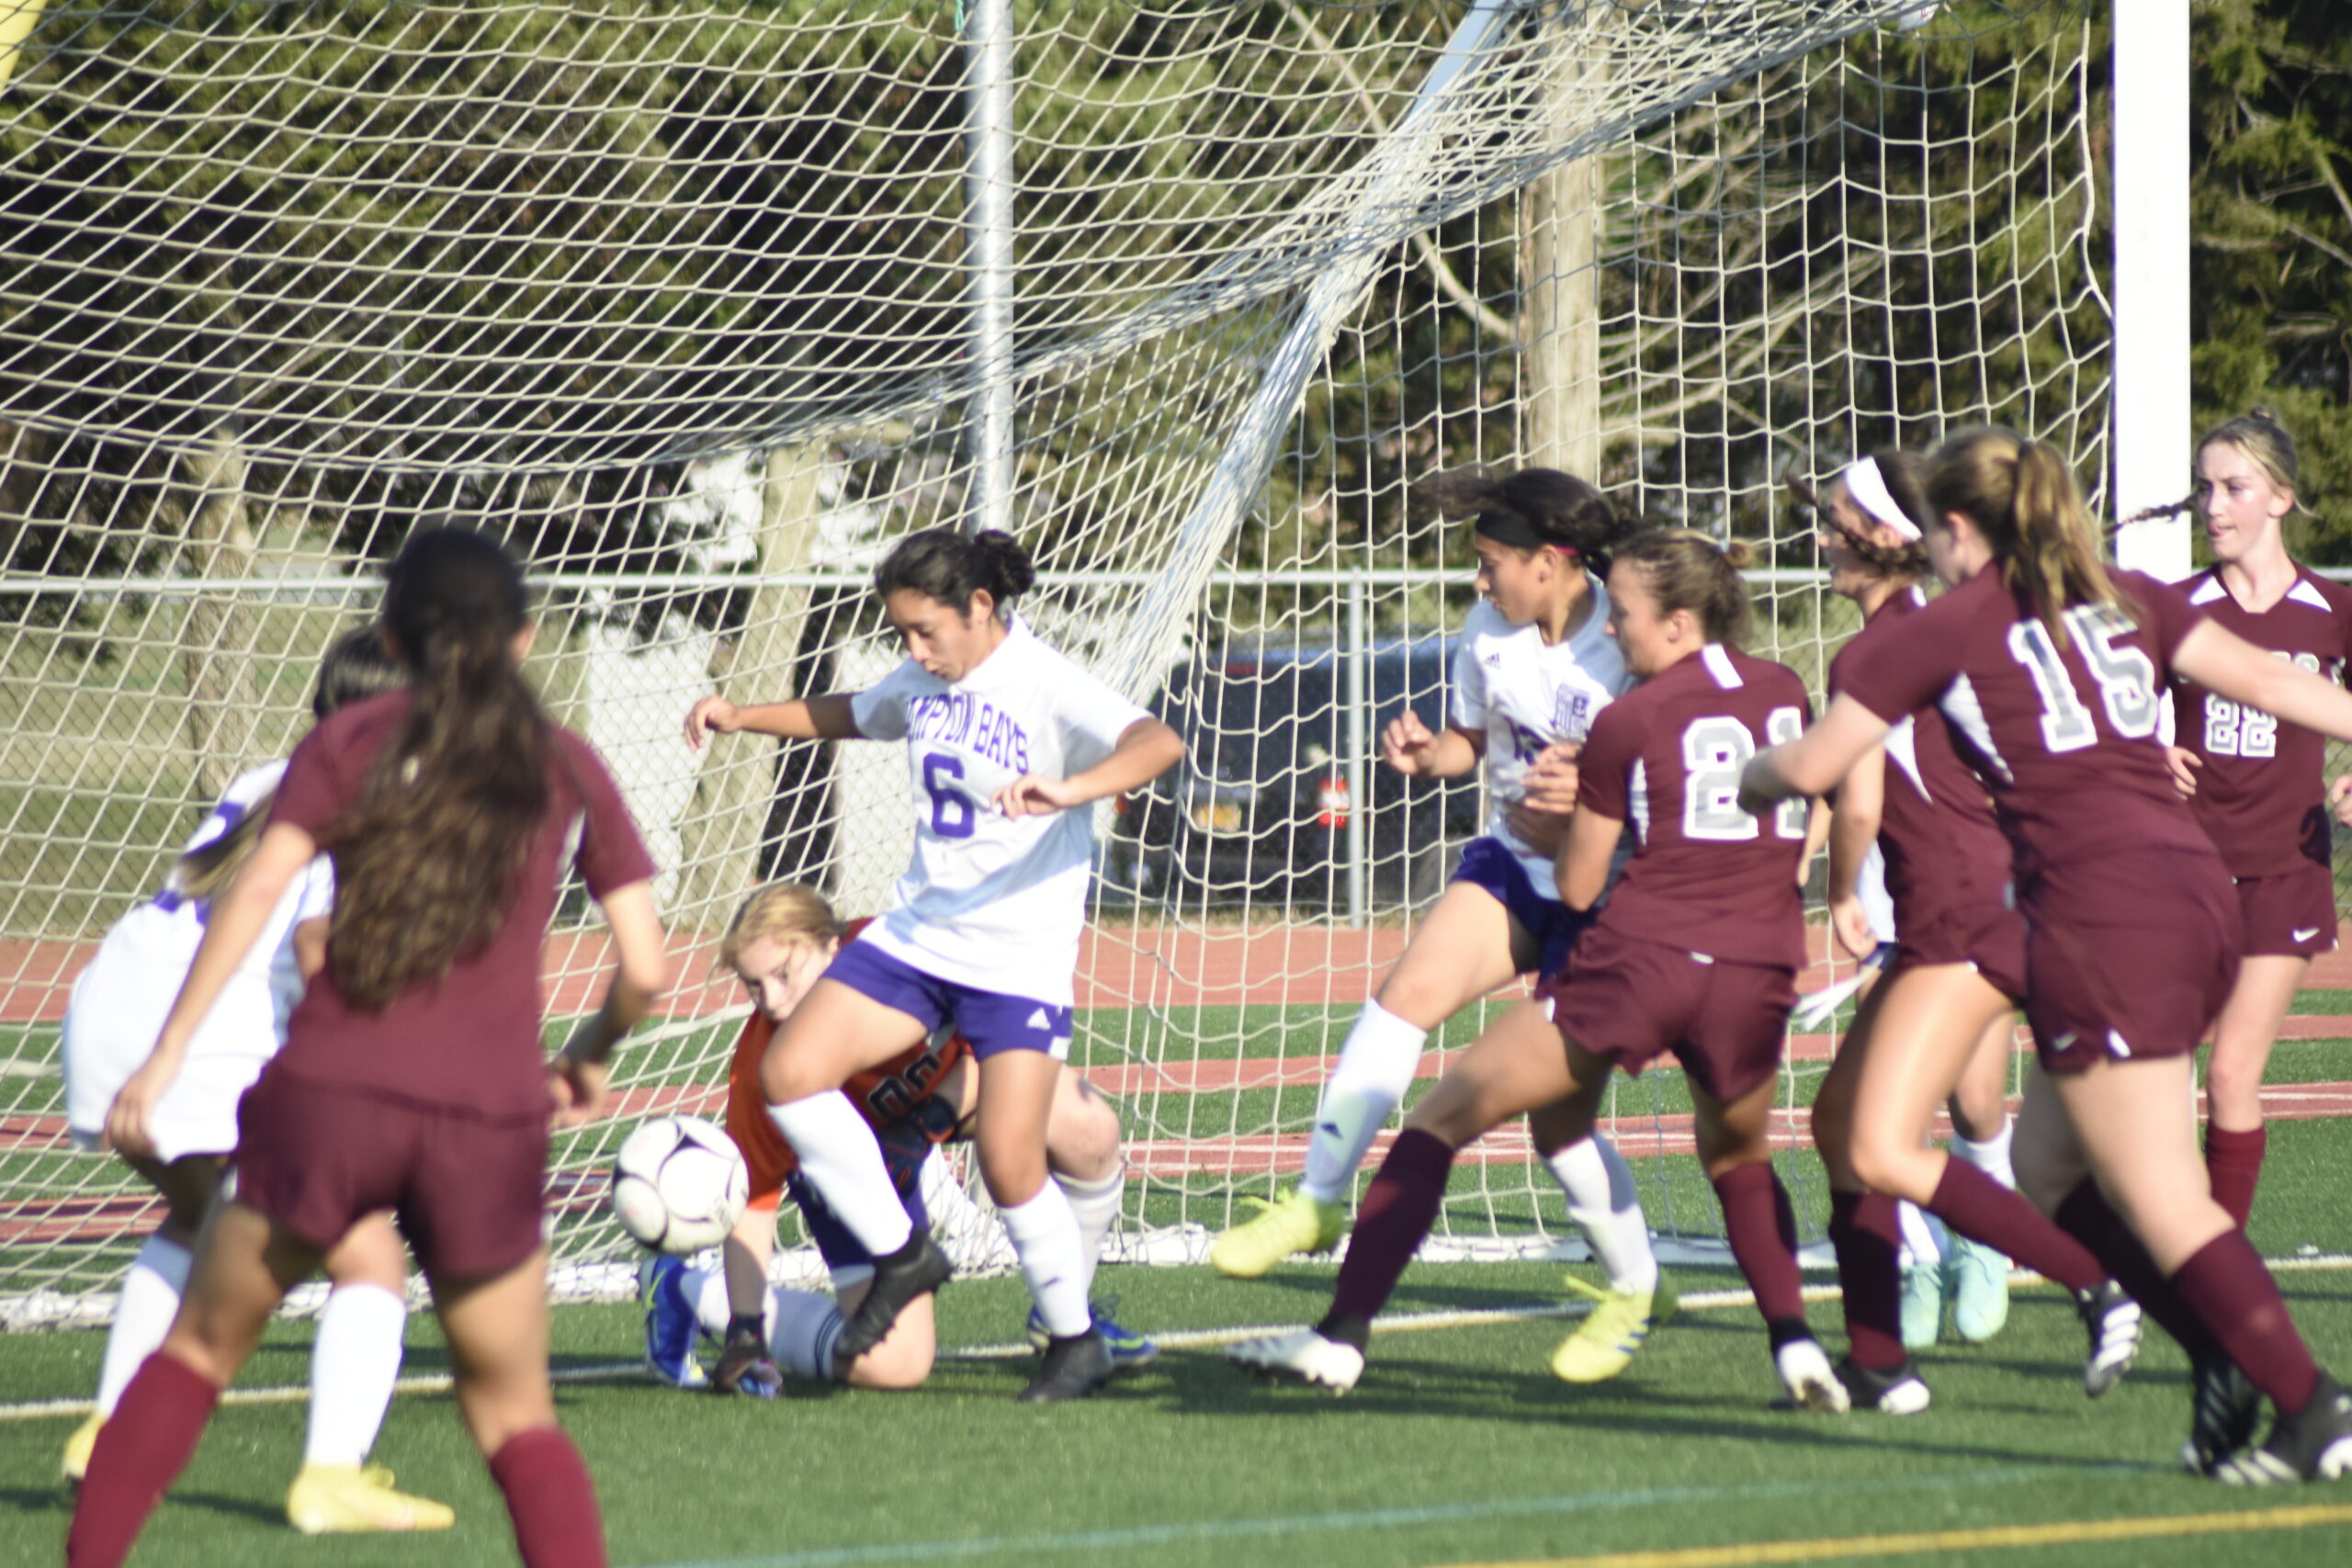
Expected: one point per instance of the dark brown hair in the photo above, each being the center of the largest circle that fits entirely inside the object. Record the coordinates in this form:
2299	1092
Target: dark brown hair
1559	508
942	565
2020	495
428	857
355	665
1905	476
1685	569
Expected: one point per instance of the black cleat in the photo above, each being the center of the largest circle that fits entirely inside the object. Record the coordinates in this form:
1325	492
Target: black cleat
1073	1368
2112	1319
917	1268
1896	1391
2313	1444
2221	1417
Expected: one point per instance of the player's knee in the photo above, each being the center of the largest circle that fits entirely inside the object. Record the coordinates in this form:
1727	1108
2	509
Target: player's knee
785	1077
2234	1088
893	1367
2045	1173
1886	1164
1012	1175
1082	1134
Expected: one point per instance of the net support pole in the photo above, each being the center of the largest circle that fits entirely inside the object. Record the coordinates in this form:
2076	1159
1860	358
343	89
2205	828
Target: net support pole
988	258
1358	765
2152	284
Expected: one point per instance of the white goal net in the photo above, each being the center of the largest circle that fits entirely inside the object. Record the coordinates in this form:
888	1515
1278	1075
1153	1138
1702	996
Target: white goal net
701	306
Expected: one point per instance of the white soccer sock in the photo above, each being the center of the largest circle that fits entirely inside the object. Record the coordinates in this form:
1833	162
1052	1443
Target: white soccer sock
802	1326
354	1363
1096	1204
1604	1205
705	1289
1375	1070
1053	1259
143	1316
842	1162
1992	1155
1923	1236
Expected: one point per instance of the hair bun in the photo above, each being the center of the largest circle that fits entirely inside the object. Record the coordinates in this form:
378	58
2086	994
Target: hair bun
1739	553
1005	568
2267	414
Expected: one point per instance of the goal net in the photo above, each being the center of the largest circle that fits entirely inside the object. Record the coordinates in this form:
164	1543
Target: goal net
692	303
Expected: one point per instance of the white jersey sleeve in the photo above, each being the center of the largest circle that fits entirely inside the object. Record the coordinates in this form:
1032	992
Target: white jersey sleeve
989	901
880	711
1527	694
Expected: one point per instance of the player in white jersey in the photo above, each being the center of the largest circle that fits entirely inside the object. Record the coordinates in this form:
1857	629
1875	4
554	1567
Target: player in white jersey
111	1023
1534	664
1007	743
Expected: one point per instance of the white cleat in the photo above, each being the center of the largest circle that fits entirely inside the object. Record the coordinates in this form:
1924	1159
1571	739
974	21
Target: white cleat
1305	1355
1811	1380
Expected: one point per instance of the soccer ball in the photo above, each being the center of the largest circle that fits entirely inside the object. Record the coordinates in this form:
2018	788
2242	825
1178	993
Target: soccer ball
679	1184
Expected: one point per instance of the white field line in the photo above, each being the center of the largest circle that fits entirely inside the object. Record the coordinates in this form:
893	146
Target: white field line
1175	1340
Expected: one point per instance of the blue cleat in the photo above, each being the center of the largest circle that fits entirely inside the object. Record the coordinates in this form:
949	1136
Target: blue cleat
671	1330
1130	1350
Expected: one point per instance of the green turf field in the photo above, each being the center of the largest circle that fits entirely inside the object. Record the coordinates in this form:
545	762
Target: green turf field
1457	1447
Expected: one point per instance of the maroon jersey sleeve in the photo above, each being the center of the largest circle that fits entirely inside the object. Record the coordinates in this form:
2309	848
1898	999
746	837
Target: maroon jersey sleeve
324	775
2166	615
1604	767
2260	784
612	854
1910	666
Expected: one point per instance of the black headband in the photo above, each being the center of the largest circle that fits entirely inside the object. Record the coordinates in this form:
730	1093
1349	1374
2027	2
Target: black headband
1511	528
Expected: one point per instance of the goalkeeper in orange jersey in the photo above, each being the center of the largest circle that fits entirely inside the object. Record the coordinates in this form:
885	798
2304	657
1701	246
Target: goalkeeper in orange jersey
779	944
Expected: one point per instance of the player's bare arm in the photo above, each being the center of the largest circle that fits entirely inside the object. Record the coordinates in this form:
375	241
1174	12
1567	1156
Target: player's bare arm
1853	828
576	1076
1412	749
1816	761
238	917
1548	798
2221	661
1147	749
796	719
1582	870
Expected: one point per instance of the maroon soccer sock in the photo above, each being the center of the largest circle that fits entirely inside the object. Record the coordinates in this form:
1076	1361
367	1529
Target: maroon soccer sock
2226	1284
1398	1208
2233	1165
1870	1267
1762	1230
1984	1210
141	1452
2087	1216
551	1499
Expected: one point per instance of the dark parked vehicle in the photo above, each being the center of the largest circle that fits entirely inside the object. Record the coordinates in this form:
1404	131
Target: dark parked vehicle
1260	810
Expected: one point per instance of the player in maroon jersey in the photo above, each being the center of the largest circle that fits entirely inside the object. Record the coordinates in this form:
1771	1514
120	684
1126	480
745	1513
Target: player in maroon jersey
1696	952
2048	667
1940	1025
413	1075
2253	782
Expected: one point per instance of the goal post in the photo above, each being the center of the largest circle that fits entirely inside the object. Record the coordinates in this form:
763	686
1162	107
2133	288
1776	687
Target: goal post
678	300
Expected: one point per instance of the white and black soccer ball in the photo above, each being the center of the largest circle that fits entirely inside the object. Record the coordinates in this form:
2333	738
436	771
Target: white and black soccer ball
679	1184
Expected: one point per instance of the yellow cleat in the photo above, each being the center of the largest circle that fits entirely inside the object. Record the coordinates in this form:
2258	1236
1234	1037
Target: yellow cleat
333	1499
1602	1346
78	1447
1295	1222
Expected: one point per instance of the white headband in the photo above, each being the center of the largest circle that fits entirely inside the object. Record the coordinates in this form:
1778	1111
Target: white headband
1868	487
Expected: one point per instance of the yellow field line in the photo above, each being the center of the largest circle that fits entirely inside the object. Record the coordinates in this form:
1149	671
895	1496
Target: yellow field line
2069	1532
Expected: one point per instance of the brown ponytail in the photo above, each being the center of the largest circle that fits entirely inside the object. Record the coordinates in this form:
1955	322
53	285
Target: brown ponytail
428	858
2020	495
1685	569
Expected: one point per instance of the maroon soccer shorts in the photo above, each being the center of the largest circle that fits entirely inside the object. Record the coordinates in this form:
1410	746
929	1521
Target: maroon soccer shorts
1989	937
2290	916
2129	961
1629	1001
467	1190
